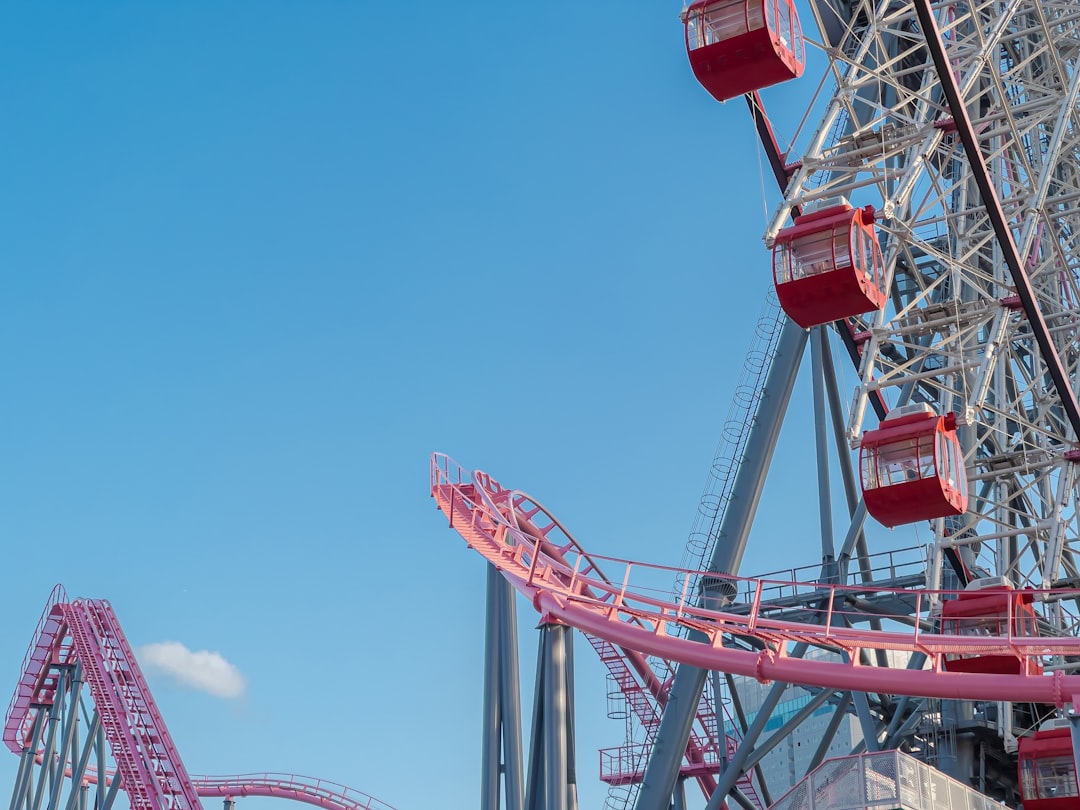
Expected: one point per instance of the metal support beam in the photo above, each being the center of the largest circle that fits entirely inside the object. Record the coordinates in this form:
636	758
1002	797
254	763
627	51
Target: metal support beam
738	762
84	759
552	783
830	733
68	738
685	695
761	751
20	793
819	348
50	741
501	746
736	703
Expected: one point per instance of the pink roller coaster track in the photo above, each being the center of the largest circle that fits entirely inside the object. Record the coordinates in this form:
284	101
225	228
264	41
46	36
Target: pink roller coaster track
86	632
565	587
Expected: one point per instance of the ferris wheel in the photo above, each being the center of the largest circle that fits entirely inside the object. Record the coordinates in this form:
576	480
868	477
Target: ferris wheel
928	232
925	248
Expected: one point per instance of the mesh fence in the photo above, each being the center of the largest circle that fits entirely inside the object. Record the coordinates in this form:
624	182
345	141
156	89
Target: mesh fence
888	780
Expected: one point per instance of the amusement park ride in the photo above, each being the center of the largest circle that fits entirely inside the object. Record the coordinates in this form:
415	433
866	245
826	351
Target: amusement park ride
928	238
86	729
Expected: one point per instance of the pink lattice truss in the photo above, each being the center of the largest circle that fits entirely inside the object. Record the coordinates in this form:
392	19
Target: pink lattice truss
85	633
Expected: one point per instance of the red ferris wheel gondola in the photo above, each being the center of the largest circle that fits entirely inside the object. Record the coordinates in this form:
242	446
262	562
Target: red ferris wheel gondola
738	46
990	607
913	467
1048	768
828	265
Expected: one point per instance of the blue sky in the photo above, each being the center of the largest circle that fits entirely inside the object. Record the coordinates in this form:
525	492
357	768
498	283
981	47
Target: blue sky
262	258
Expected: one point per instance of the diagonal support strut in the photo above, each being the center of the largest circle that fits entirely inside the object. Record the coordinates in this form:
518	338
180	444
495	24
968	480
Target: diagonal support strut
1004	236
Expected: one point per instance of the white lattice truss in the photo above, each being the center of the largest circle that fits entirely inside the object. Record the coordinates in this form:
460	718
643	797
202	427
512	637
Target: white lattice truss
953	333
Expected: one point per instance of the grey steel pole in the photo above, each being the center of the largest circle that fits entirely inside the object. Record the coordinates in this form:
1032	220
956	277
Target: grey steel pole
26	762
510	699
818	348
866	720
663	767
100	797
114	788
678	801
571	747
778	736
67	736
490	745
830	733
555	704
552	784
836	415
50	745
731	773
534	782
740	715
847	475
501	767
84	759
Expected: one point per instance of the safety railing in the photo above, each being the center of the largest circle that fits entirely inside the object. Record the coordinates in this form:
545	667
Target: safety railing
318	792
34	662
626	763
121	695
634	608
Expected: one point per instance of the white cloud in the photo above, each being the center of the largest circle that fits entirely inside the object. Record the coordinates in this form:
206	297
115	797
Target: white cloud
203	670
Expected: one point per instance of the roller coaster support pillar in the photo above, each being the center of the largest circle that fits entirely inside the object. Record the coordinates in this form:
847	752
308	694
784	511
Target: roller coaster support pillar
228	804
502	701
51	746
685	695
552	782
47	774
68	738
26	764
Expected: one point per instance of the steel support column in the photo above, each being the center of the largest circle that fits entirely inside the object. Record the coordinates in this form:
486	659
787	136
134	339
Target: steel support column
818	348
502	704
20	792
738	762
740	715
830	734
685	695
552	783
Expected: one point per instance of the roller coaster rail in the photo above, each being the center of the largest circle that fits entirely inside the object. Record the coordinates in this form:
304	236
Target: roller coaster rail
79	643
306	789
563	588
